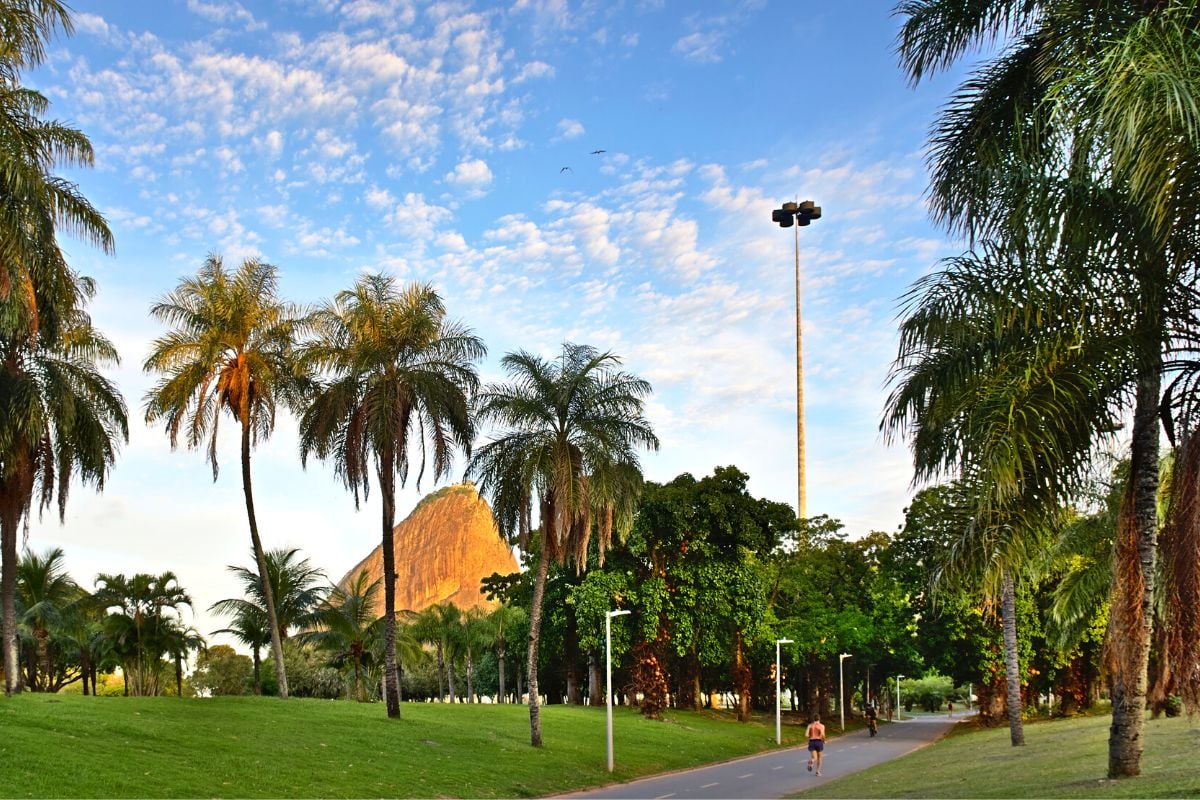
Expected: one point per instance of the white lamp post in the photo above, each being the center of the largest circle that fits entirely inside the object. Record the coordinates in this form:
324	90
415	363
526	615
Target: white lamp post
898	677
778	730
842	688
608	616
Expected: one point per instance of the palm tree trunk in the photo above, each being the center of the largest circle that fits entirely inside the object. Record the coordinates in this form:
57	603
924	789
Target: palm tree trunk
256	542
535	630
358	681
441	662
450	681
85	667
8	590
471	679
500	697
1132	620
391	679
1012	667
179	675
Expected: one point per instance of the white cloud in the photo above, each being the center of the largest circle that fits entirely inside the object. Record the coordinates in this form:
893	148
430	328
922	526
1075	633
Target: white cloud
223	12
700	46
570	129
474	176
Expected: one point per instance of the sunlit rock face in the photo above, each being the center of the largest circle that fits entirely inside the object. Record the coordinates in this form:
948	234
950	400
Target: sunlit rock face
443	548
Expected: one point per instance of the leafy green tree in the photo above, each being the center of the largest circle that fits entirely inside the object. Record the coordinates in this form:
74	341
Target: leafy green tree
60	418
570	431
230	349
400	379
345	625
221	671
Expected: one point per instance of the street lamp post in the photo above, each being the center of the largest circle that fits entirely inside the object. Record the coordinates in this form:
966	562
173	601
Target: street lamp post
799	215
898	677
842	688
778	729
608	617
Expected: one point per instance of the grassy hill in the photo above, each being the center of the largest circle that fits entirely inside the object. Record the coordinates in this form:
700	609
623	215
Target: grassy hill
72	746
1061	758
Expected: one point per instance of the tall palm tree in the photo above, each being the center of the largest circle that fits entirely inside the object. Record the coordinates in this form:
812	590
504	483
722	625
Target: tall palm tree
570	432
59	418
1111	86
178	641
399	377
45	592
503	619
230	349
346	624
425	627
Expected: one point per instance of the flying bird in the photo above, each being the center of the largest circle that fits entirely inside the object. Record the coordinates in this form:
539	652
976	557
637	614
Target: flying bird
598	152
565	169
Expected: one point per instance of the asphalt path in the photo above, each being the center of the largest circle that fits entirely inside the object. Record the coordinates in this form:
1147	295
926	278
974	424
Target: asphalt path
781	773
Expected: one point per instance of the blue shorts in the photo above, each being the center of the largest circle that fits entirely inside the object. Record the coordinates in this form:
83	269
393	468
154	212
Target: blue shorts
816	745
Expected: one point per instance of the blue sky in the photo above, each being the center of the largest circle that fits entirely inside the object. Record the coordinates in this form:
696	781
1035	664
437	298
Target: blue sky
428	140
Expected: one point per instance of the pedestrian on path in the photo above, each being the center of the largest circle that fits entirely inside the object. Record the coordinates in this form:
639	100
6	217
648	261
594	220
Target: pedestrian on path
816	743
950	708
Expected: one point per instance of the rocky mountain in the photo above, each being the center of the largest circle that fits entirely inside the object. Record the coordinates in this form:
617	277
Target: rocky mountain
443	548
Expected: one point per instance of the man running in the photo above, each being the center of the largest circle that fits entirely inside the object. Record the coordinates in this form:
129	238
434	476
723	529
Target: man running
816	743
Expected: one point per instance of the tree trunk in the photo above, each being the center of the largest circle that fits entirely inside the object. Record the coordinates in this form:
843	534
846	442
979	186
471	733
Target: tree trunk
358	681
257	670
441	662
179	675
535	630
571	657
391	678
1012	668
595	682
263	580
85	667
500	697
451	683
8	589
470	678
741	679
1132	615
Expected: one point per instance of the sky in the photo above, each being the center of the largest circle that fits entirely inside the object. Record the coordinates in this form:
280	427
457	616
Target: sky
452	143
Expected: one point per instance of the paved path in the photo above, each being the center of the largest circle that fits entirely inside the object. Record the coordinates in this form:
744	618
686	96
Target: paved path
781	772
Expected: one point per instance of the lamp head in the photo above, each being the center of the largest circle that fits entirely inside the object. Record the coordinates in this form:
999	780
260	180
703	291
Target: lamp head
784	641
619	612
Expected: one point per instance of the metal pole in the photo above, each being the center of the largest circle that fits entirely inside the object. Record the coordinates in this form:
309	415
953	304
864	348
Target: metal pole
608	682
842	688
898	677
800	489
778	692
608	676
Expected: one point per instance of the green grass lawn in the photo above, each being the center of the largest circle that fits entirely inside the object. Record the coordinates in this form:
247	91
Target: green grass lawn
73	746
1061	758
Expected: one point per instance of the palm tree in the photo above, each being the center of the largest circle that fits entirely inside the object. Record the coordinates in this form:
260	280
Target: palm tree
346	625
1085	97
36	286
400	378
45	592
178	641
476	636
143	616
503	619
296	586
230	349
249	625
570	433
59	418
